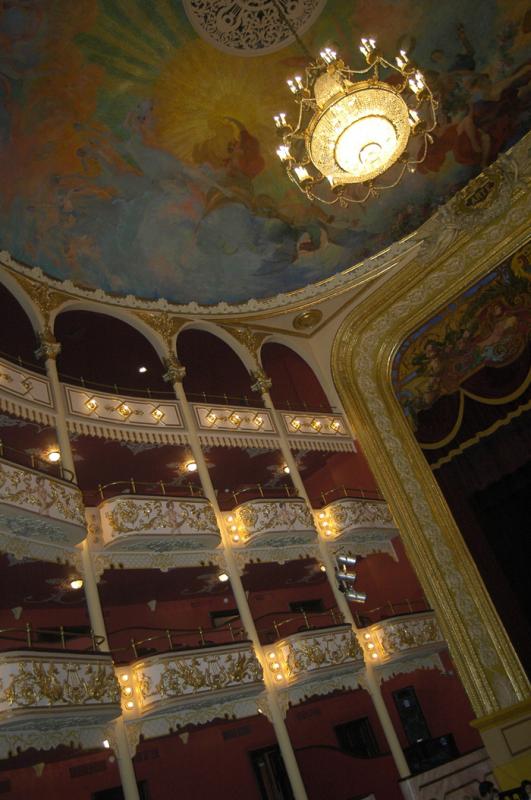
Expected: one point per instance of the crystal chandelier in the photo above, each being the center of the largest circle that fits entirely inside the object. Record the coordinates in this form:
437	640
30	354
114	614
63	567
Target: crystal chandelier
355	137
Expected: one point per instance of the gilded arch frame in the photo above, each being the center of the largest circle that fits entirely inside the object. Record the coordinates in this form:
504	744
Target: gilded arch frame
362	358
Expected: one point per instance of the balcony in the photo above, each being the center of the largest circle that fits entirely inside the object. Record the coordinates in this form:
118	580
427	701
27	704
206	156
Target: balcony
168	691
37	508
52	698
134	529
402	644
267	529
316	662
359	518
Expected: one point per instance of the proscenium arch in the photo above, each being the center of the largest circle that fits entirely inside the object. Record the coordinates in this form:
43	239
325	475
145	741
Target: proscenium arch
362	355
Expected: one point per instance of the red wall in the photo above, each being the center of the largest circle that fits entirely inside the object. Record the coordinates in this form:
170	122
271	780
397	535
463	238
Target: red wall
294	384
443	701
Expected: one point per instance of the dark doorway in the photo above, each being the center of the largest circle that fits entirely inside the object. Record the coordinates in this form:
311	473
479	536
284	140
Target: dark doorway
271	774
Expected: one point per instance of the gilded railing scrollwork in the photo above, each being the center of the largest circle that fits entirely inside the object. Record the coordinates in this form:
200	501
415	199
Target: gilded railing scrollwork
34	681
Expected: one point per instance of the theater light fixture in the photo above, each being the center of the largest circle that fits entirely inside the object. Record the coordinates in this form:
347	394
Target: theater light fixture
357	131
53	455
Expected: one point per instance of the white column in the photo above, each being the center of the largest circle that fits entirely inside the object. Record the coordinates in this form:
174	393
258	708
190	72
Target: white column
175	374
373	686
125	762
49	350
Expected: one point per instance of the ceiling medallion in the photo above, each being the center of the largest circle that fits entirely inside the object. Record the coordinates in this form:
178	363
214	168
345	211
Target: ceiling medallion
249	27
355	138
307	320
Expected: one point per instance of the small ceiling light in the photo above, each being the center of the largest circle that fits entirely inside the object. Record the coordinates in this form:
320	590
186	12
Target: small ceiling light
76	583
128	690
374	655
286	470
322	515
129	704
278	676
366	635
142	370
275	665
370	646
271	654
235	538
230	518
322	568
223	577
260	711
191	466
53	456
106	744
125	677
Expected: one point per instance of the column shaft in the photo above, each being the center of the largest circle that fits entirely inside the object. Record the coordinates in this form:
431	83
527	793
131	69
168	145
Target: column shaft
277	719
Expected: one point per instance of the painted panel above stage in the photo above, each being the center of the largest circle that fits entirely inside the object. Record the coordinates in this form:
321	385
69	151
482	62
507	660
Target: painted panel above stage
138	155
467	369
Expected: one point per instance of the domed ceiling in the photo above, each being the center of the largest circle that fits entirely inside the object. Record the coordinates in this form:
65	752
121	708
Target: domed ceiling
138	150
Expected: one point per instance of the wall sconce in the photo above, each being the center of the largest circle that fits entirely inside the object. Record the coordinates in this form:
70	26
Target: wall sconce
124	410
211	417
91	405
235	419
295	423
316	424
157	414
335	425
258	420
53	455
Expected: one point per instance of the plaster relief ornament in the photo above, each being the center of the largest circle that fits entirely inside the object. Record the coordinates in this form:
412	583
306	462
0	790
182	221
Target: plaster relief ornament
251	28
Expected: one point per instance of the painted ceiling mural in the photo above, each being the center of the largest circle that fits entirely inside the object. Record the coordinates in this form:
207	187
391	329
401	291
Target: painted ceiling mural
137	150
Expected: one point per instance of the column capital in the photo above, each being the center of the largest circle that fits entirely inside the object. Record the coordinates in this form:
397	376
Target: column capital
49	347
262	382
175	371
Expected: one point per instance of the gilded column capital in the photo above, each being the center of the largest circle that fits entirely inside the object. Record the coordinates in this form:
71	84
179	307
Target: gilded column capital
262	382
175	371
48	347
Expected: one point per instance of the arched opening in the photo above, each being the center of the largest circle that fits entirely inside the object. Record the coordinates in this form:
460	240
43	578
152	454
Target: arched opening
106	353
17	337
294	383
214	372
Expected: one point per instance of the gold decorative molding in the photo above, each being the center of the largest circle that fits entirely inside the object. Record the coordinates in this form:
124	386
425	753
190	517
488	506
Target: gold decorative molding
451	259
165	324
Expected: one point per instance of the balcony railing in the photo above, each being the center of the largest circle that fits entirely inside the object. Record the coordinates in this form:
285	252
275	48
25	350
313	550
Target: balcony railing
338	492
297	656
26	636
229	500
38	686
173	680
38	508
149	488
30	460
164	524
397	637
279	624
395	608
135	642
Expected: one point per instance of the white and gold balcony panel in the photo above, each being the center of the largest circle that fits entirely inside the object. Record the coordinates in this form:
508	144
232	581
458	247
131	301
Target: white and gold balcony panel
143	527
51	698
115	416
24	393
365	526
404	644
316	662
317	431
39	513
170	690
273	529
235	425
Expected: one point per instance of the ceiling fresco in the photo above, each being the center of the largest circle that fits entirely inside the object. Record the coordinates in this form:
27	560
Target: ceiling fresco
137	150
